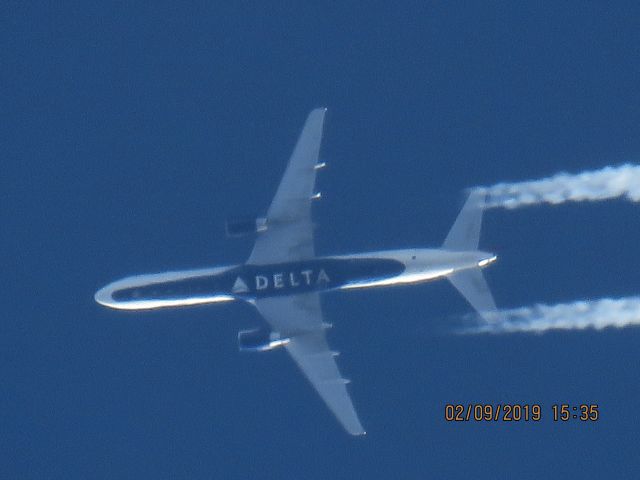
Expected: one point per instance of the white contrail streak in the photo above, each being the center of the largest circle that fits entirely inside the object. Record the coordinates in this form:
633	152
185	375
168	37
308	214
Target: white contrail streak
596	314
603	184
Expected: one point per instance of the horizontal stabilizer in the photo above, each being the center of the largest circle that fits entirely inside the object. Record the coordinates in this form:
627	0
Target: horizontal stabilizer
473	287
465	233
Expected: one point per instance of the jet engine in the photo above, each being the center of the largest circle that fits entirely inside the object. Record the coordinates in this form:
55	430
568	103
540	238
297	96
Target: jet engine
240	227
259	340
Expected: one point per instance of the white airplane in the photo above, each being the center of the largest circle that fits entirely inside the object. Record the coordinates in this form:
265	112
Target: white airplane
283	278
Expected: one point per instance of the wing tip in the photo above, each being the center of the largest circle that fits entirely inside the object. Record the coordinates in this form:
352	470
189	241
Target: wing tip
358	432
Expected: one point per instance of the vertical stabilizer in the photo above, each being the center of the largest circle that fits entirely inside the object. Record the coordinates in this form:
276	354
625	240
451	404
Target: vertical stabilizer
465	233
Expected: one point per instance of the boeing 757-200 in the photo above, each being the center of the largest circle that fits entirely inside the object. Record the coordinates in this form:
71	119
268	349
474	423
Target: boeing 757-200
283	278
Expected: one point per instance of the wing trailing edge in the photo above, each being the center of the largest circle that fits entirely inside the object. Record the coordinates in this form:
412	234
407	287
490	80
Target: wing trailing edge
299	318
289	229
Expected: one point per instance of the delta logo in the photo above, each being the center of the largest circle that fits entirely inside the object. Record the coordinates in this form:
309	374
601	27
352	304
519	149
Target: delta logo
282	280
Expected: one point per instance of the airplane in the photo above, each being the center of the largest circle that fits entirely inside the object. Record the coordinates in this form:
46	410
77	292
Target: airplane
284	279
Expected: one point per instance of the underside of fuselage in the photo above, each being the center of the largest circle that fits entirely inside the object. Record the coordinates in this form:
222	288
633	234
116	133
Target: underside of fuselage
251	282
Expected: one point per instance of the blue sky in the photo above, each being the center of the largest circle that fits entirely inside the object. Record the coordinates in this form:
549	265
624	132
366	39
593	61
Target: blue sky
131	133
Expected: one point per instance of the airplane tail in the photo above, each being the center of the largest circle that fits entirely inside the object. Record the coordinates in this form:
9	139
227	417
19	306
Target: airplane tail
465	236
465	232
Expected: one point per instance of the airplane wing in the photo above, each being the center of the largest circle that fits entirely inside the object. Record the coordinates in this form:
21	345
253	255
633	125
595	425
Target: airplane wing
299	318
289	234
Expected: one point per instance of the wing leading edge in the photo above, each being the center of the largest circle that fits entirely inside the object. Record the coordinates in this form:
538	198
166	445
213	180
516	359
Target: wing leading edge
289	237
299	317
289	234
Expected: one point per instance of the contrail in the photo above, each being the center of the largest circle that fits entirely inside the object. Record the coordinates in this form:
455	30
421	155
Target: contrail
596	314
603	184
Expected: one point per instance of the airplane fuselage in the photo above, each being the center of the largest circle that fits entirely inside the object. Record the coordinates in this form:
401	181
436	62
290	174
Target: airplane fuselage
250	282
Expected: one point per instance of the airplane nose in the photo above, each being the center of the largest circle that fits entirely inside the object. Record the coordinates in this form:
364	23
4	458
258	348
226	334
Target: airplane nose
103	296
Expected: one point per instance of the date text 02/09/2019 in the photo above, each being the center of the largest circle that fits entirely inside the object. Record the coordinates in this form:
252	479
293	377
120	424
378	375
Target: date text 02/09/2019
517	412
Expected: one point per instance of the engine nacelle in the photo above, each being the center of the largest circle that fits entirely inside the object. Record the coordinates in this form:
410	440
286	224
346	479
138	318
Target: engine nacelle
259	340
240	227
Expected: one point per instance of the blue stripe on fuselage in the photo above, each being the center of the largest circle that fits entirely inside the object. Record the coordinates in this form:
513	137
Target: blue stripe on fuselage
258	281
